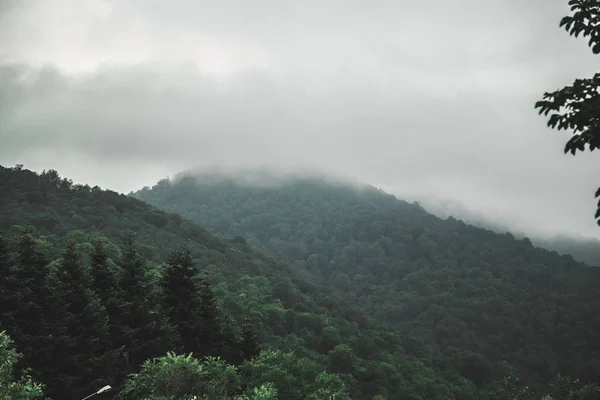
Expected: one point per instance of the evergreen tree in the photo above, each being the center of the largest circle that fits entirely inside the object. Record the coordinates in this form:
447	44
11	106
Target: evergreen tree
7	285
104	280
248	345
181	301
105	285
211	334
141	328
191	306
33	308
83	356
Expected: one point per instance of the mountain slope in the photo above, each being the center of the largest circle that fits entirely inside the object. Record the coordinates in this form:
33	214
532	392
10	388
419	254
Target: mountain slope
472	299
323	330
582	248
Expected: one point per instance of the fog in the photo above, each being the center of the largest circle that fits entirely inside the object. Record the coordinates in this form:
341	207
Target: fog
432	101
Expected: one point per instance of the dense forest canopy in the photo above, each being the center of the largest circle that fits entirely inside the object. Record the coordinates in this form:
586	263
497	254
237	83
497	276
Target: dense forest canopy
582	248
472	300
88	260
267	287
114	291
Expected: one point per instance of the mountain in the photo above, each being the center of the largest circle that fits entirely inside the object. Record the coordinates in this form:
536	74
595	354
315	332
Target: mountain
582	248
470	299
56	229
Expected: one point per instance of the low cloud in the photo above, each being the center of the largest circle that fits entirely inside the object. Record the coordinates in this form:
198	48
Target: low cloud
427	104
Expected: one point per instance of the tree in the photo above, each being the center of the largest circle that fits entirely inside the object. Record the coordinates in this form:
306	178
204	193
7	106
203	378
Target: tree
23	389
181	300
249	345
105	285
183	377
562	388
104	281
293	377
264	392
511	389
83	356
7	285
33	309
214	340
141	326
342	359
191	307
328	386
577	107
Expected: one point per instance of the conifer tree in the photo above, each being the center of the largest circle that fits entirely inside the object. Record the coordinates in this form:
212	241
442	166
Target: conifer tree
190	304
181	301
7	285
103	279
86	359
141	328
217	333
211	334
33	310
105	285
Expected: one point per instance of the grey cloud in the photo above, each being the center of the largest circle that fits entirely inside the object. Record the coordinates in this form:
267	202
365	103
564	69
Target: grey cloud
430	100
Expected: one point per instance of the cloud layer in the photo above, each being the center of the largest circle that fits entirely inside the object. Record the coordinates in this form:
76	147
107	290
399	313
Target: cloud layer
428	100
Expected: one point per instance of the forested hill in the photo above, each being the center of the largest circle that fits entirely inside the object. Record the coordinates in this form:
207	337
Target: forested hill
582	248
67	249
471	299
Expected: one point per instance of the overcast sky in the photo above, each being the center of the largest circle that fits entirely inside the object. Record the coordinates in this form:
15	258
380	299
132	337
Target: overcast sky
427	99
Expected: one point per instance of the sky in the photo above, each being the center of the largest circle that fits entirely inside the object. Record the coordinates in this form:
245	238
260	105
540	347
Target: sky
432	101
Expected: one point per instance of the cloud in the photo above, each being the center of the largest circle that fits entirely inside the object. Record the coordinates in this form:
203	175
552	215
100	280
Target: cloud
430	101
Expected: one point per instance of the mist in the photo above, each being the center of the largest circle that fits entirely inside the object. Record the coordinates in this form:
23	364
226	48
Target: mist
432	102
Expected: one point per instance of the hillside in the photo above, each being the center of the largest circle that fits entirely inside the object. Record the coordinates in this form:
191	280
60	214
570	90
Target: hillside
582	248
472	300
72	222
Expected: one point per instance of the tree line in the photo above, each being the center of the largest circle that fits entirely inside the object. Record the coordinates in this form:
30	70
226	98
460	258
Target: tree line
82	324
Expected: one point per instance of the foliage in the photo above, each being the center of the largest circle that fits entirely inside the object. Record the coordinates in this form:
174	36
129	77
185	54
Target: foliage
292	377
141	327
23	389
80	332
383	301
561	388
183	377
577	107
461	299
258	298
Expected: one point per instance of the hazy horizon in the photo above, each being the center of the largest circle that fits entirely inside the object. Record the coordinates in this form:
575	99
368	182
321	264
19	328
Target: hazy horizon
427	101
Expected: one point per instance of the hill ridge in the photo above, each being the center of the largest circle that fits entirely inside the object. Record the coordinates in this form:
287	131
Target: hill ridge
322	330
421	274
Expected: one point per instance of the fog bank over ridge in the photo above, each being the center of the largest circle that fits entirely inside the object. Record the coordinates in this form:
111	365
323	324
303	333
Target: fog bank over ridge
269	177
264	175
426	100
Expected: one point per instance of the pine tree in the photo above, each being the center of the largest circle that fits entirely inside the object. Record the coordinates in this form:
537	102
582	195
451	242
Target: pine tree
104	280
88	359
7	285
190	304
181	303
141	328
33	309
215	341
105	285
